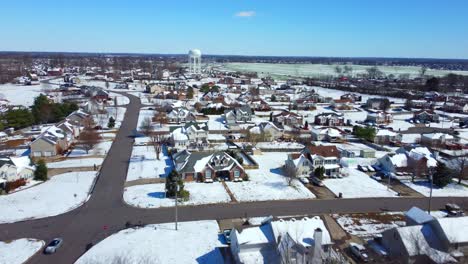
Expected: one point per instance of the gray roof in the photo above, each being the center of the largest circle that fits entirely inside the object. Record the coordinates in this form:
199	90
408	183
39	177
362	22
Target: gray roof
418	216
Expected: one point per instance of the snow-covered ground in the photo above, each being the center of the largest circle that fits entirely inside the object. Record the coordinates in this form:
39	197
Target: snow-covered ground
267	182
194	242
357	185
451	190
118	113
102	148
317	70
119	99
19	251
216	123
58	195
144	113
153	195
22	94
143	164
75	163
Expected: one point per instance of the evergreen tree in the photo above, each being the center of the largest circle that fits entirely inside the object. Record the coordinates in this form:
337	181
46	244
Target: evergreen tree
442	175
172	181
111	123
41	171
319	172
190	92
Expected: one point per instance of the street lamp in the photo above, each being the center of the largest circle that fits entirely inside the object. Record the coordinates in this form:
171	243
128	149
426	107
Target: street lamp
177	190
431	178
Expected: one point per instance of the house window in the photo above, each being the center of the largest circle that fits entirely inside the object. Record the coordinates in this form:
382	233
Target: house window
208	174
236	174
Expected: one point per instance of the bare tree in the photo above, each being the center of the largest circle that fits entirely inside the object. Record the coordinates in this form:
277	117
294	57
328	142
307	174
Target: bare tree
422	71
461	163
290	173
146	126
156	141
89	138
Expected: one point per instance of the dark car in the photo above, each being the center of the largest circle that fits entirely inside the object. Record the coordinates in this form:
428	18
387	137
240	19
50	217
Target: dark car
227	235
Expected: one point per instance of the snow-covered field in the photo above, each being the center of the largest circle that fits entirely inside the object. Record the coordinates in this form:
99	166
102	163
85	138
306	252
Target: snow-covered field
267	182
317	70
143	164
357	185
194	242
58	195
144	114
119	99
451	190
19	251
153	195
75	163
21	94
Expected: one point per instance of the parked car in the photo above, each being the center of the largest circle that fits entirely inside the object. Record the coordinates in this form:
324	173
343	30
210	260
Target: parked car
376	177
370	168
304	180
359	252
453	210
317	182
362	168
55	244
209	180
227	235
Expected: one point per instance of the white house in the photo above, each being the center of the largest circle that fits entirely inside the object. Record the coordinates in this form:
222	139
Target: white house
326	134
15	168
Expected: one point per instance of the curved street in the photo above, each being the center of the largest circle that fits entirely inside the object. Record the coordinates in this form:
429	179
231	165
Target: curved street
105	213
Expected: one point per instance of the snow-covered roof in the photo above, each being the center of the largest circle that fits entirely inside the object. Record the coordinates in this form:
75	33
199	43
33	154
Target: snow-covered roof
438	136
399	160
200	164
385	132
419	216
179	134
255	235
420	152
455	228
301	231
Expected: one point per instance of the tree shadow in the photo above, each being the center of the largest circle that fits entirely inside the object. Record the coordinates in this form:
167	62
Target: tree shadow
212	257
159	195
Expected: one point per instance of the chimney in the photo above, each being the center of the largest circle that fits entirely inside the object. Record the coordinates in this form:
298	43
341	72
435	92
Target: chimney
317	254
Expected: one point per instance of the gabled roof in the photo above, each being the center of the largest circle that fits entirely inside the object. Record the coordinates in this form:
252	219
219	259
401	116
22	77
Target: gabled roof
324	151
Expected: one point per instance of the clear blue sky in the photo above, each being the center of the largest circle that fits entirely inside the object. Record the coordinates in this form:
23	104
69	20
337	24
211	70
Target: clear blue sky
393	28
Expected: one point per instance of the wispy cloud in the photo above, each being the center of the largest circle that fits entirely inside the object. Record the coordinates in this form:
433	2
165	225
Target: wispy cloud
245	14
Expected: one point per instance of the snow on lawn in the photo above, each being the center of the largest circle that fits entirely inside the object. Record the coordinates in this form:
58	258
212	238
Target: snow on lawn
267	182
100	149
60	194
194	242
451	190
216	123
121	99
75	163
152	195
371	224
21	94
357	185
19	251
144	113
118	113
143	164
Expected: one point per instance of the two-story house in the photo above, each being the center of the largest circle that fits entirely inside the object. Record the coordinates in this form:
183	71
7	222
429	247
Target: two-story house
240	114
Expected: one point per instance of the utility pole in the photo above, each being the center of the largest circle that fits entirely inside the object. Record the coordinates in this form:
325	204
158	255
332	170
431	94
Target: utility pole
431	178
177	190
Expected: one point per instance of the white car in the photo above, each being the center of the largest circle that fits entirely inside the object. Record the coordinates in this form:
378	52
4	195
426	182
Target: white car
359	251
304	180
53	246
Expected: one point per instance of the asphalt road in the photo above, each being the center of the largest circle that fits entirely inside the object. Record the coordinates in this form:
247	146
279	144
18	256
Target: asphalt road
105	213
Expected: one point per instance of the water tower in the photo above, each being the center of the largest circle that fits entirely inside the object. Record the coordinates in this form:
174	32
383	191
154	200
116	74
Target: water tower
195	61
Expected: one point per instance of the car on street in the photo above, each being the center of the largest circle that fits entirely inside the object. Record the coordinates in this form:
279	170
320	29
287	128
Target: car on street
55	244
359	252
376	177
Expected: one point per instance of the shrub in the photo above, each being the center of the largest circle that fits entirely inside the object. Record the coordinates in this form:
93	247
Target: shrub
184	195
10	186
41	171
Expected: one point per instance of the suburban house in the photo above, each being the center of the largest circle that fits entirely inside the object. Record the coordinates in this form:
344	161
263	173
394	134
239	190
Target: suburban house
426	239
385	137
286	118
379	118
324	156
268	130
180	115
208	166
192	135
327	134
425	116
52	141
15	168
78	118
300	164
240	114
300	241
419	104
258	104
437	139
352	97
416	160
377	103
329	119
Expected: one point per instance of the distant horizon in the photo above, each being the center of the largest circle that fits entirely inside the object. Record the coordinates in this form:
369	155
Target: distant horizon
229	55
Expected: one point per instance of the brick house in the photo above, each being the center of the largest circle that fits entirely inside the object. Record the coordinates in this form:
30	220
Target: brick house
208	166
